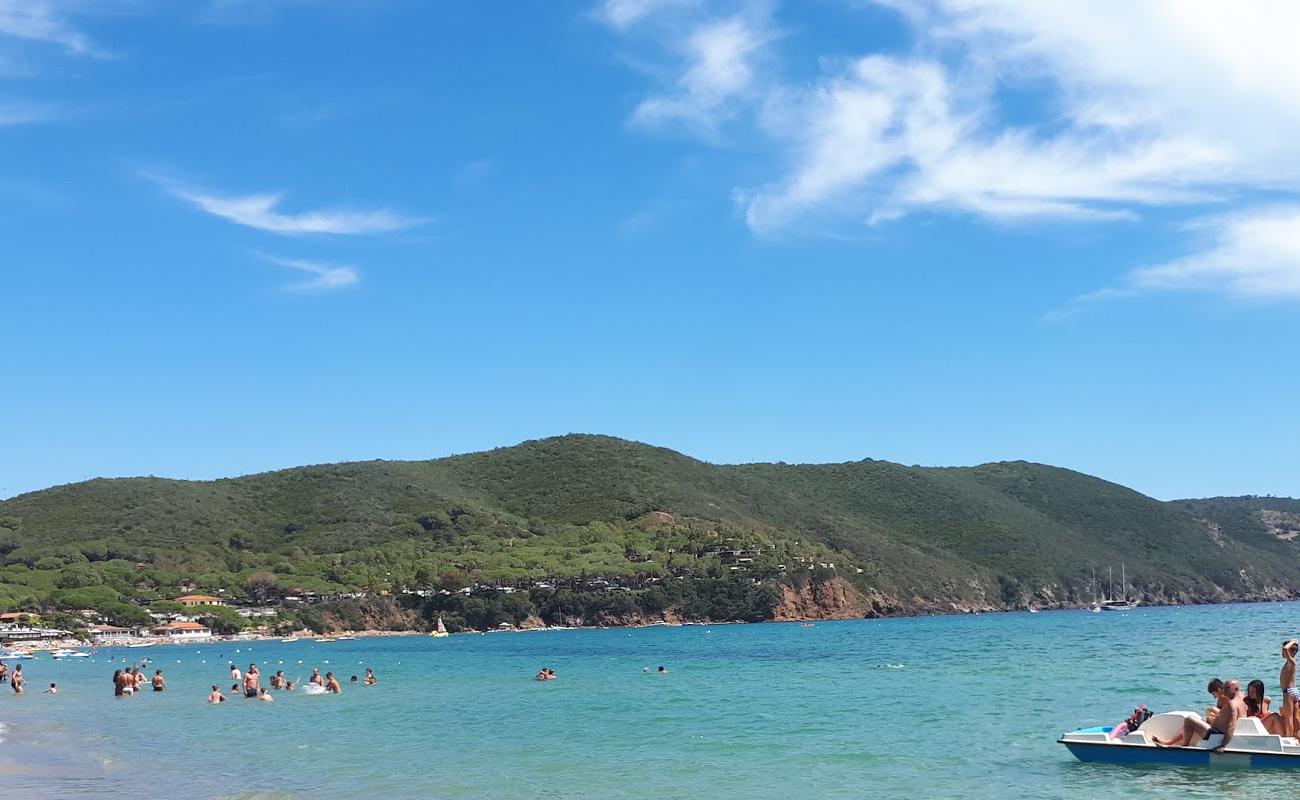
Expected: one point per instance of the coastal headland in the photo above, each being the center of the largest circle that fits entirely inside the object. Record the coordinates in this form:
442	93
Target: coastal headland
586	530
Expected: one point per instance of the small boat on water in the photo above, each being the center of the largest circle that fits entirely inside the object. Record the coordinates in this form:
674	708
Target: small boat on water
346	638
17	655
326	639
1251	745
440	631
69	654
141	644
289	639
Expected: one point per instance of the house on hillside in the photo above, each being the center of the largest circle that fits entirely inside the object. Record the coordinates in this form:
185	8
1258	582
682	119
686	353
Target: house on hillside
183	631
16	618
193	600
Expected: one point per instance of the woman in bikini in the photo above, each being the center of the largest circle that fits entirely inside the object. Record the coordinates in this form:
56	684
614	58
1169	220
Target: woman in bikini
1258	705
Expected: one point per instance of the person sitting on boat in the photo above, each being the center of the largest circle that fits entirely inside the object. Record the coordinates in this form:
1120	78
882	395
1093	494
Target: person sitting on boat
1290	695
1215	688
1258	704
1225	722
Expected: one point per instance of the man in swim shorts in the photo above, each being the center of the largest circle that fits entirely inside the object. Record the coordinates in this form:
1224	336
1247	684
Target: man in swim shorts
1290	696
1225	722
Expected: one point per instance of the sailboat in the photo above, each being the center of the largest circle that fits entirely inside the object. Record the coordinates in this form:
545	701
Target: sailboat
1123	603
440	631
1095	607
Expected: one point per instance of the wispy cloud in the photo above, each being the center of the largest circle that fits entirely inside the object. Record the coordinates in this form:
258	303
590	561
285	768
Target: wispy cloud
326	277
40	20
1253	254
1186	103
719	72
23	113
261	211
714	58
622	14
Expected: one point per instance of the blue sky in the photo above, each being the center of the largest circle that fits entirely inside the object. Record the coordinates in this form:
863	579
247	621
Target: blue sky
237	236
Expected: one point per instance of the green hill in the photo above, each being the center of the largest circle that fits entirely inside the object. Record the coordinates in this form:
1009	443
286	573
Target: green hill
579	508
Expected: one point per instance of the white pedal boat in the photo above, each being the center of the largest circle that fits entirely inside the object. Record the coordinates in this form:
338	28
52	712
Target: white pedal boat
1251	745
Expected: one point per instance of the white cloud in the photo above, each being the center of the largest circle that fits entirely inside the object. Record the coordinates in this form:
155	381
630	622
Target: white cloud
1019	110
260	211
1253	254
715	59
327	277
38	20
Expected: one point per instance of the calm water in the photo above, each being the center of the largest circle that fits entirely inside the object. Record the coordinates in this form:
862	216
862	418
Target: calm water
960	707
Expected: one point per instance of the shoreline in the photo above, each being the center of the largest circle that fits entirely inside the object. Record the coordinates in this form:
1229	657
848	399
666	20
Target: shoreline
141	643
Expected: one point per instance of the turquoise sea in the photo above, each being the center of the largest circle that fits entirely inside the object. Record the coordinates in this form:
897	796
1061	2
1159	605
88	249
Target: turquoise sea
935	707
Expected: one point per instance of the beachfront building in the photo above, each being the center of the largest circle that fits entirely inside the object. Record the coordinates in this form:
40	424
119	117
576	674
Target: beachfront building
194	600
17	633
108	634
183	631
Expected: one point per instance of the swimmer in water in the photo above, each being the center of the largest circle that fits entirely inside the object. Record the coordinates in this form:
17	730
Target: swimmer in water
265	696
332	684
216	696
371	680
315	677
158	683
662	671
54	689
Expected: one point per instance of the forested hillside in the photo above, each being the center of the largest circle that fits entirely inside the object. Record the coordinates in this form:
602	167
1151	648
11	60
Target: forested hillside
591	513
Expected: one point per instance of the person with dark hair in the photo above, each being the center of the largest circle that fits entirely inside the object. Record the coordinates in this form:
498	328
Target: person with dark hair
158	683
1224	725
1215	688
1290	695
216	696
1258	704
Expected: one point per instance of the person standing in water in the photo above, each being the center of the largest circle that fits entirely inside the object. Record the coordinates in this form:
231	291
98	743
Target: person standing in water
371	680
251	681
18	681
332	684
216	696
315	677
158	684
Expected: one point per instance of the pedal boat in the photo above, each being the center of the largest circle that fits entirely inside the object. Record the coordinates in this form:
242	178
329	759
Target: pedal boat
1251	745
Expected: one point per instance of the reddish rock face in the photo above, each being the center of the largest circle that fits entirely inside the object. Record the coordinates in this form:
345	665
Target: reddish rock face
830	599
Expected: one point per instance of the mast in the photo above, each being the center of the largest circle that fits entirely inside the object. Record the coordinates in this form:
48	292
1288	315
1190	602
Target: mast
1123	582
1110	575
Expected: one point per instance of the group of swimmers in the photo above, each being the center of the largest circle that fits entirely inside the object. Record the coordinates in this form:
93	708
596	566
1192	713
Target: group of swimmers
249	683
132	680
1229	707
